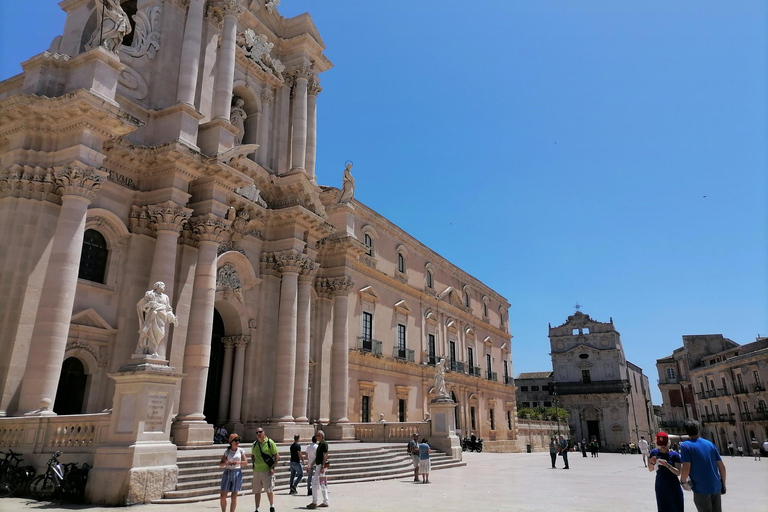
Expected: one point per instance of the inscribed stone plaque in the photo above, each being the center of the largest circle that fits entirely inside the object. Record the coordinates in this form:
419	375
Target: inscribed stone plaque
127	413
155	412
439	422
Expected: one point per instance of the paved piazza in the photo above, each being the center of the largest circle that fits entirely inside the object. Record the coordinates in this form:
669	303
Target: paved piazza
508	482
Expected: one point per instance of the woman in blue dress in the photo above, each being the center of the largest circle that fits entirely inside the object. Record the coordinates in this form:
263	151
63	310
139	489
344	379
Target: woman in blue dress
669	494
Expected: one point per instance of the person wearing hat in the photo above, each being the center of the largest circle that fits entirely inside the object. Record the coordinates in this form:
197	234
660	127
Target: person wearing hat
413	451
667	464
233	461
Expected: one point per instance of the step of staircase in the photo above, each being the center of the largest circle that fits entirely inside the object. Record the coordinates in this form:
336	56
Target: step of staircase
200	476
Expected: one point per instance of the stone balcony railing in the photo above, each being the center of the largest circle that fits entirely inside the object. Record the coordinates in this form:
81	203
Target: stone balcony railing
385	432
591	388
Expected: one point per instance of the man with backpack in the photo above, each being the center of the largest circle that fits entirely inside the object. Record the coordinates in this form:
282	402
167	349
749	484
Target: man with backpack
413	451
265	458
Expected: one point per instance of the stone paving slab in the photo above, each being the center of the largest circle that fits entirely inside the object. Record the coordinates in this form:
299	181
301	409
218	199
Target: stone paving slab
500	482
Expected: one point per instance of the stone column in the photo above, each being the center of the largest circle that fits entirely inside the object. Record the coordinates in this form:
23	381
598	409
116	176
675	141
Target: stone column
321	385
301	383
78	185
190	427
225	67
238	377
267	97
340	350
312	92
282	404
299	140
226	378
190	53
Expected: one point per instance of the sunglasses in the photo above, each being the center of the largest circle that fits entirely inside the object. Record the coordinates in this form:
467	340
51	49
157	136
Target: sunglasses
259	432
235	440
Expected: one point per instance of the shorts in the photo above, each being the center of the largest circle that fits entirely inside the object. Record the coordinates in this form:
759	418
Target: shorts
263	481
232	480
415	459
424	466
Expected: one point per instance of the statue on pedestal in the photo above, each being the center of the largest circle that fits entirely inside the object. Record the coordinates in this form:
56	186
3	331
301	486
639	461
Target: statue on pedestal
348	186
237	117
155	312
113	26
441	393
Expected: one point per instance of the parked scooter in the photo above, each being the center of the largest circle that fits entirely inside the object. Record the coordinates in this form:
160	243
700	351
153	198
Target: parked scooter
472	443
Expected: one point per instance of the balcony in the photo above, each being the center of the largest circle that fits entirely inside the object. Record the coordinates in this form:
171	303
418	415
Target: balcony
755	416
432	360
456	366
404	354
668	381
365	344
491	376
509	381
591	388
722	418
740	390
722	392
758	387
672	424
474	371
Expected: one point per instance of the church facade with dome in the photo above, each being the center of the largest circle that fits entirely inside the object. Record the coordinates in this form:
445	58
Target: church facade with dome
174	141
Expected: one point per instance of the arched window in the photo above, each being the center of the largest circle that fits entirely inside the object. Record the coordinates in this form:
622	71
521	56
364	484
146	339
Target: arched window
400	262
430	281
368	241
93	260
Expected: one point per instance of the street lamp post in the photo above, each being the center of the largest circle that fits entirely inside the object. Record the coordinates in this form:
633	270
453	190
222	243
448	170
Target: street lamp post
557	412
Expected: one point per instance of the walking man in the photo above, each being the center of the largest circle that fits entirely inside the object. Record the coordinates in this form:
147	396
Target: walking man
643	444
730	448
297	471
564	451
319	484
265	458
703	464
311	452
413	450
584	448
756	449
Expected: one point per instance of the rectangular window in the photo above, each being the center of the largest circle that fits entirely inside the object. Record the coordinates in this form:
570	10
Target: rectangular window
575	332
523	388
585	377
472	418
431	349
470	357
488	363
585	330
534	388
452	348
506	371
485	309
366	409
493	421
401	410
725	386
401	339
545	388
741	382
717	409
509	420
757	377
400	263
670	374
367	331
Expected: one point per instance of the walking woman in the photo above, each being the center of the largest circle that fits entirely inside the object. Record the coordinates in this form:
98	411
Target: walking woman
553	451
233	461
669	494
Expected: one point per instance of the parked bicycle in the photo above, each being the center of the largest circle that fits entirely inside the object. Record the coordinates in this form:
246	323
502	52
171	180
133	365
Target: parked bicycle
66	481
13	476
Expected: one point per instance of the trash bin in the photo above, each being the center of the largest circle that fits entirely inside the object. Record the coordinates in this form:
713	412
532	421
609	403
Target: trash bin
527	448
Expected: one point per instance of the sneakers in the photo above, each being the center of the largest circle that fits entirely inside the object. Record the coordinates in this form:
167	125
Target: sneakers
271	509
293	491
311	506
323	505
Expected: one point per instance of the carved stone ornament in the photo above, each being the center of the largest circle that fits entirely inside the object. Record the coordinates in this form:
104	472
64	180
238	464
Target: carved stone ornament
237	117
28	182
146	38
290	261
227	277
271	5
251	193
98	353
79	180
303	72
258	48
269	265
168	216
324	288
209	228
113	28
341	285
232	8
313	89
267	97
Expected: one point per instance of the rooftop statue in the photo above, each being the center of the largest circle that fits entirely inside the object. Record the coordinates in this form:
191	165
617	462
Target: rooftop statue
113	26
348	186
155	312
441	393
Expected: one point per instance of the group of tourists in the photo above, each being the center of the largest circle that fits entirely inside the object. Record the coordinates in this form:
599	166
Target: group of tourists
264	457
755	445
559	448
419	452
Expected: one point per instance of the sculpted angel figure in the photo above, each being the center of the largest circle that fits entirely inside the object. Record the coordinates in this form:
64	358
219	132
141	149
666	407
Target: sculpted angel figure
348	186
114	27
237	117
440	389
155	312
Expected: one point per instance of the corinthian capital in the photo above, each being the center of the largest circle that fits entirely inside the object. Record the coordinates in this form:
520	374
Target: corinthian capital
324	288
168	216
267	97
269	265
290	261
313	89
308	269
209	227
232	8
341	285
28	182
79	180
303	72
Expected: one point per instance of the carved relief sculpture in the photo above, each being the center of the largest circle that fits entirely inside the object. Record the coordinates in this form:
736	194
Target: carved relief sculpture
113	28
348	186
237	117
155	312
146	38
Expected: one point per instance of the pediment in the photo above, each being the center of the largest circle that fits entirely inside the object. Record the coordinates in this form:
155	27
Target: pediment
90	318
369	294
402	307
451	296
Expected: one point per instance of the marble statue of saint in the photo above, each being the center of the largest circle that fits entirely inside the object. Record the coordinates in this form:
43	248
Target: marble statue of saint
348	186
154	313
440	390
112	26
237	117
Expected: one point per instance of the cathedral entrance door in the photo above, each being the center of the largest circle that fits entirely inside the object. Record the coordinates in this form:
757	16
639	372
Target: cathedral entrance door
212	389
593	430
71	392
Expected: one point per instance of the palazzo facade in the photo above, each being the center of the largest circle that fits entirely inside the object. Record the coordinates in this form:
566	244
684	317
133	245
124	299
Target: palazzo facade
175	141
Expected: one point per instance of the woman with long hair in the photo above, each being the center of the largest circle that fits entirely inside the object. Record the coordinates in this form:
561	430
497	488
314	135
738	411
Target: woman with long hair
669	494
233	461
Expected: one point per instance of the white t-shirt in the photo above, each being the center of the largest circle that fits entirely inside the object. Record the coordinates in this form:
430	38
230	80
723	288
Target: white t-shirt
643	446
765	446
311	453
234	458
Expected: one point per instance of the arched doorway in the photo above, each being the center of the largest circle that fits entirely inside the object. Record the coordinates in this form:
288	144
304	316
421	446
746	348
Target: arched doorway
211	407
71	390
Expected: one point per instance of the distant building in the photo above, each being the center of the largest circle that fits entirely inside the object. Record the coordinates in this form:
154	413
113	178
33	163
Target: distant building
607	397
534	389
719	382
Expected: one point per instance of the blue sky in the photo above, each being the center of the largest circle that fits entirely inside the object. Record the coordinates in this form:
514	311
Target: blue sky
559	151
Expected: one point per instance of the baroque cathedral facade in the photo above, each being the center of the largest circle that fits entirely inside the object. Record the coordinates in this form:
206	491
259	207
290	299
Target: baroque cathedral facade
174	141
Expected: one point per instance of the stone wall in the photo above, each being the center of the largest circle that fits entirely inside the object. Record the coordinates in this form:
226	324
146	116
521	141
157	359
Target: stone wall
536	433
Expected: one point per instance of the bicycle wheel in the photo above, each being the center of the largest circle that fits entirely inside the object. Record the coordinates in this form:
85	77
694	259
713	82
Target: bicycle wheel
42	487
10	482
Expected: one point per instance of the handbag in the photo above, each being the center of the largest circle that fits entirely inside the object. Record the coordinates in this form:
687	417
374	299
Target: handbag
268	459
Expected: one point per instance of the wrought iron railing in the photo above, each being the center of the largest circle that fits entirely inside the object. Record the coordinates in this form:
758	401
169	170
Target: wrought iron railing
365	344
404	354
474	371
456	366
509	381
491	376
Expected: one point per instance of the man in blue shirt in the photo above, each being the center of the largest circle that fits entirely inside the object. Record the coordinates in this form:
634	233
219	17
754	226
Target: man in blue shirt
703	463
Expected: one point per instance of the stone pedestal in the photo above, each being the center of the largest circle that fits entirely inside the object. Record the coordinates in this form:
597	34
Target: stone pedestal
444	437
180	121
339	432
216	136
137	462
342	216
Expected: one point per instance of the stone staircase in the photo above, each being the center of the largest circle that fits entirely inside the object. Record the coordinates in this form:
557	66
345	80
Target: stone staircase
200	475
